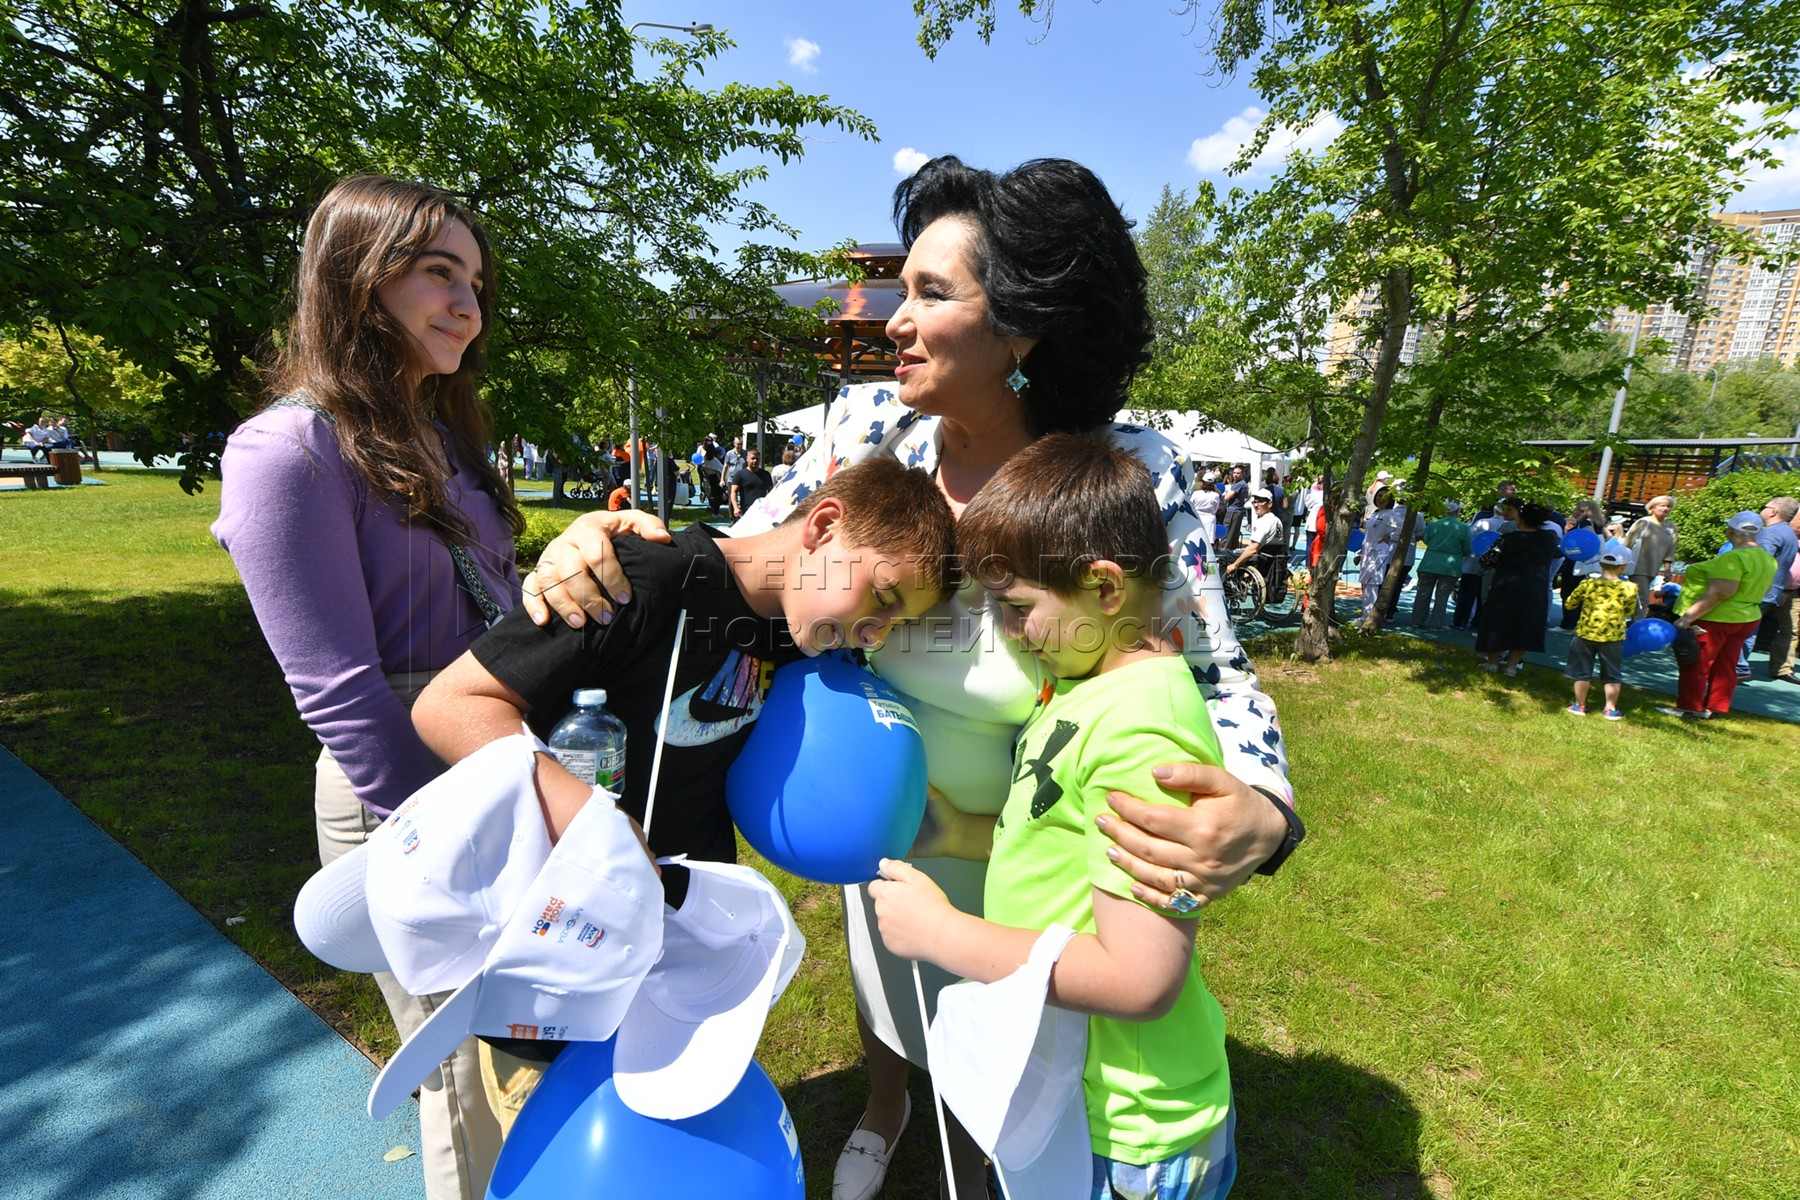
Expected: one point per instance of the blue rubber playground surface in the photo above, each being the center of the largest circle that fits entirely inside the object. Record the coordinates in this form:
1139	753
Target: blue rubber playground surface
1651	676
145	1056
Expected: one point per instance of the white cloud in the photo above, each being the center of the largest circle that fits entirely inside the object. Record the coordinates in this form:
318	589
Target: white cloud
801	53
1767	187
907	160
1212	154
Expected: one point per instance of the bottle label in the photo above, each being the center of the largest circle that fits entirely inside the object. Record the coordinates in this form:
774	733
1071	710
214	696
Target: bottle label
579	763
609	770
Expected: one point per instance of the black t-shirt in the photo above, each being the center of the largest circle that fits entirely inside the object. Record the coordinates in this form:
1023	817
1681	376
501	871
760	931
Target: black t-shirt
728	655
751	485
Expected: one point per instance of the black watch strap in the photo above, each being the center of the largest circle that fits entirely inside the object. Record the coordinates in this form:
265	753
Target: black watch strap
1296	833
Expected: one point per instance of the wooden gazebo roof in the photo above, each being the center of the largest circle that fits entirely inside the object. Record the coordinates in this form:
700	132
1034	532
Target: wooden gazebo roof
852	342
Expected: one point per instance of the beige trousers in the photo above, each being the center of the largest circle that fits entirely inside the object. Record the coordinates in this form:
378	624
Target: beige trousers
459	1134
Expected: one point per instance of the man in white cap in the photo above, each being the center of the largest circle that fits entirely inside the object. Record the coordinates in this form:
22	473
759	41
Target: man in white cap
1383	479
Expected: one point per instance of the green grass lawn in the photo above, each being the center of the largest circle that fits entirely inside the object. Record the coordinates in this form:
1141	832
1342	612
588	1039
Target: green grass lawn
1521	955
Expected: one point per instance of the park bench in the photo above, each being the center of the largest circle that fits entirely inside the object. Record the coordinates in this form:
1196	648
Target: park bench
35	475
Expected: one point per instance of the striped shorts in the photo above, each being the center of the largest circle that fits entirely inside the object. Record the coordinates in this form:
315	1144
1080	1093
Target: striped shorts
1204	1171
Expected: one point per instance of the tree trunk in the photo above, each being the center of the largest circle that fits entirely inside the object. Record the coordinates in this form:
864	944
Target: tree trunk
1313	644
1390	584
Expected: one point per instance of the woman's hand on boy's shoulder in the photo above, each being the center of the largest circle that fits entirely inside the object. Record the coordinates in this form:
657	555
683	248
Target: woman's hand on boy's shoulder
578	574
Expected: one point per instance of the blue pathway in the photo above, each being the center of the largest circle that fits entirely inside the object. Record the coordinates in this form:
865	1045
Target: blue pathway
1652	675
146	1057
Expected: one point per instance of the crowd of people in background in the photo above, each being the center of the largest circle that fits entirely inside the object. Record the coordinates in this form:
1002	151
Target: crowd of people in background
725	480
1494	575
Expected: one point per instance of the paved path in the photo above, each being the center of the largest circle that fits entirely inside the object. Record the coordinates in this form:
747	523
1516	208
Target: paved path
1649	678
146	1057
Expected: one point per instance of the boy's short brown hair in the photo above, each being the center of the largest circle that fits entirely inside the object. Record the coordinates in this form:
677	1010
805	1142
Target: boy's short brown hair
1063	502
897	512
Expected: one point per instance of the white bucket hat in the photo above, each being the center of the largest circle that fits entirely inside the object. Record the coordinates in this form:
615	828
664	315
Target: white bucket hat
728	955
1009	1066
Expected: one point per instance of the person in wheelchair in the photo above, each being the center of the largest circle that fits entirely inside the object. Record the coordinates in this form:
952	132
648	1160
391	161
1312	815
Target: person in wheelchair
1265	546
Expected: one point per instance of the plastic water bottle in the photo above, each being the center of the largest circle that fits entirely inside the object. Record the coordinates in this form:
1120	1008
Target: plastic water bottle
590	742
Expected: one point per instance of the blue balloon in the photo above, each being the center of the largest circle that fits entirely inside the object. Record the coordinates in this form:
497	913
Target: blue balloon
576	1138
699	458
1648	634
1356	541
832	778
1580	544
1484	541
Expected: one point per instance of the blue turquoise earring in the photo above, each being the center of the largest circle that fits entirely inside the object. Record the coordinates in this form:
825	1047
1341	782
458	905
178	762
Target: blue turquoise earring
1017	380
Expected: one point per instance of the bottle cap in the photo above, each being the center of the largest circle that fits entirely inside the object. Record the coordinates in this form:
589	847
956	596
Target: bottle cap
590	697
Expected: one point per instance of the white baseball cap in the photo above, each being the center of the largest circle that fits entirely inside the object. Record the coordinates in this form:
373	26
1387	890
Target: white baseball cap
1617	554
1263	494
568	959
1746	522
727	956
460	888
1010	1067
1379	475
425	895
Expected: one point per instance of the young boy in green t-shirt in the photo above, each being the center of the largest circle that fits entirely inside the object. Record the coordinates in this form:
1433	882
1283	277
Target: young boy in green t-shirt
1069	542
1607	602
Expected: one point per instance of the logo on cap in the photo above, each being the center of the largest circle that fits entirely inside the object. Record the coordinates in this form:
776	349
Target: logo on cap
552	911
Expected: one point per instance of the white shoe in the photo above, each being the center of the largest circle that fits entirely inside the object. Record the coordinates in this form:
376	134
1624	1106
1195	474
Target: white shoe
863	1163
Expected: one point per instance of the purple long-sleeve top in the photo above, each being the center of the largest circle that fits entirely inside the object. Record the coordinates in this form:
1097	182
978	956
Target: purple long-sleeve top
347	591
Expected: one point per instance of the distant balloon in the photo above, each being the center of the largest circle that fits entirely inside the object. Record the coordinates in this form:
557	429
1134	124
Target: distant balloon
1580	544
1356	540
1484	541
699	458
1648	634
576	1138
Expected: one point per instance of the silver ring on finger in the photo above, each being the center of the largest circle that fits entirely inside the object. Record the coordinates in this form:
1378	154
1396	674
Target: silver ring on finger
1181	900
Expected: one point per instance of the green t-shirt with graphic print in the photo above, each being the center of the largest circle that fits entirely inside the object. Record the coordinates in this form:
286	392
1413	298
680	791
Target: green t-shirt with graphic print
1153	1088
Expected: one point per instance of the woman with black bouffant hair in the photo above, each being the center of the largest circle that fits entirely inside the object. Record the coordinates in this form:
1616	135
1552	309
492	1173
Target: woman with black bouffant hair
1057	265
1024	314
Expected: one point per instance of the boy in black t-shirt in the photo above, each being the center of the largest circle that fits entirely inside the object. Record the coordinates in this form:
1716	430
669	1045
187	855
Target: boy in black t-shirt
869	548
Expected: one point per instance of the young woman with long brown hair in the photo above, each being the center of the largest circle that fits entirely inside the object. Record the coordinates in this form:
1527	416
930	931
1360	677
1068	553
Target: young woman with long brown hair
376	540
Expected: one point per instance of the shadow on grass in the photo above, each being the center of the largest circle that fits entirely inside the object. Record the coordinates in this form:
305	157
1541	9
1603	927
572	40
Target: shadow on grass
165	720
1309	1125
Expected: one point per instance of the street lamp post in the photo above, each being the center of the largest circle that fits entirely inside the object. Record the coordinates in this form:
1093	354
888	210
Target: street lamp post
693	29
1612	426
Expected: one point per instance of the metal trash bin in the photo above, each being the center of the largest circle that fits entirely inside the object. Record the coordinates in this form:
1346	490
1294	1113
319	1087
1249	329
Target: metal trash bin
68	467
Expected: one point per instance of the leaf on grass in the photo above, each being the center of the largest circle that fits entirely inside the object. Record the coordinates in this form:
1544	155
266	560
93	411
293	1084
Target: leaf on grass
398	1153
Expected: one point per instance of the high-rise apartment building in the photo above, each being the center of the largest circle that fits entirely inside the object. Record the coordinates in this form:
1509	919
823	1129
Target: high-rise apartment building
1754	312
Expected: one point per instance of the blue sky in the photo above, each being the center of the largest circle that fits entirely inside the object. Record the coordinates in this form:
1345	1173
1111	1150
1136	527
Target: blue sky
1119	85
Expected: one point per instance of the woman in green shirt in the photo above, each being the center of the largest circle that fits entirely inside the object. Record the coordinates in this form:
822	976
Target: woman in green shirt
1721	601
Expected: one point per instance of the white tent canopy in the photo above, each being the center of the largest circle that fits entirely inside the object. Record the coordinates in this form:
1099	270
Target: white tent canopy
1209	442
779	427
1205	441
